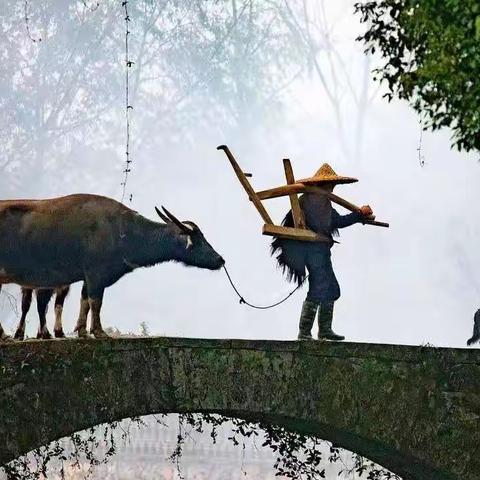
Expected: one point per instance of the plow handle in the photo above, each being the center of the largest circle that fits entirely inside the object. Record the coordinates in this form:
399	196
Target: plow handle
246	185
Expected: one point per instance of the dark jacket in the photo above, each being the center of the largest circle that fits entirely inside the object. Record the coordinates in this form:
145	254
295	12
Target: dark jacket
295	257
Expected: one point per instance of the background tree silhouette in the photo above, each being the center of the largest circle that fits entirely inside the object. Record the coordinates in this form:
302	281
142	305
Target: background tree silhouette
194	61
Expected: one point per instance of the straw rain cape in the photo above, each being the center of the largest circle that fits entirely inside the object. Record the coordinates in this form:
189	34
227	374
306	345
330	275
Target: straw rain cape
291	254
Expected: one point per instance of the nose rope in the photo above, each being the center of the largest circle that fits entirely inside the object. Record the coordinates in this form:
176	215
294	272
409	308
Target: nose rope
258	307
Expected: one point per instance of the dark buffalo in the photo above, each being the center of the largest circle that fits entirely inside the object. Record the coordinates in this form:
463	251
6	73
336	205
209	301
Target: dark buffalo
45	244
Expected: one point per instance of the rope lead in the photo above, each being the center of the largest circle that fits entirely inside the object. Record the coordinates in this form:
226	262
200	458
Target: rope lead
258	307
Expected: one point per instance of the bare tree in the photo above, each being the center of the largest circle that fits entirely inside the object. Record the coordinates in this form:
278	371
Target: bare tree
309	23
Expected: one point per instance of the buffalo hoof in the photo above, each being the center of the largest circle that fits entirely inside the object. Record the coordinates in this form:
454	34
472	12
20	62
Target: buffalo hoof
59	333
44	334
19	335
4	338
82	332
100	333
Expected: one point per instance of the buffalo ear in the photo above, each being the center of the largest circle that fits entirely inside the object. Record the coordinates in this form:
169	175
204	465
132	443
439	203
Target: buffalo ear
162	216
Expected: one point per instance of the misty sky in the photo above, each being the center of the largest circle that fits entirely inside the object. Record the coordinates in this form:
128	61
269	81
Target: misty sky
411	284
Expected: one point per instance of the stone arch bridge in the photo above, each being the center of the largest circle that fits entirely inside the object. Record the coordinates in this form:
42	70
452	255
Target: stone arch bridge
414	410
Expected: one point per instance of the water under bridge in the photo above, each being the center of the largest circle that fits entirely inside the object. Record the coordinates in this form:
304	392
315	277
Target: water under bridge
414	410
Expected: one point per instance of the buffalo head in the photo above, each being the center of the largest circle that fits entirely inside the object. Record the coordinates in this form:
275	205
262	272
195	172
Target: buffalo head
194	251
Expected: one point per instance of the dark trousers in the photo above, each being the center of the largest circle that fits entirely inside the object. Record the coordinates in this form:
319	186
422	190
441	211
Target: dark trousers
323	285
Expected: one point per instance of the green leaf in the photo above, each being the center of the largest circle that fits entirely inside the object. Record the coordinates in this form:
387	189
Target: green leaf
431	59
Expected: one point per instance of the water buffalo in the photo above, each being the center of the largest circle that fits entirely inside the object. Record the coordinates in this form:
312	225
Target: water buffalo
45	244
43	298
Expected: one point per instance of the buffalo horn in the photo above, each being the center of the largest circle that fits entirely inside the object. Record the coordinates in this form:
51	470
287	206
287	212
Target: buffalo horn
177	222
162	216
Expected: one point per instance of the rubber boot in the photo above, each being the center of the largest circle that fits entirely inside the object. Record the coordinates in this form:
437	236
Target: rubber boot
325	317
307	318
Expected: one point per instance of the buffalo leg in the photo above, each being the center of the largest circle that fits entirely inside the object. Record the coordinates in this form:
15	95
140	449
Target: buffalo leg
43	298
61	295
81	327
95	298
3	336
2	333
27	294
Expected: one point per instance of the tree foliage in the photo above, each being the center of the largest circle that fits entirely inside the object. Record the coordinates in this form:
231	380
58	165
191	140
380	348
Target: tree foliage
432	59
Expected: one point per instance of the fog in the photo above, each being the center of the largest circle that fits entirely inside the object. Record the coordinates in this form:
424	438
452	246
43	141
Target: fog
413	283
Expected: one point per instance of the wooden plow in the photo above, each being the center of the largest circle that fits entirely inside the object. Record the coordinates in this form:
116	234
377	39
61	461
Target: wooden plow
292	189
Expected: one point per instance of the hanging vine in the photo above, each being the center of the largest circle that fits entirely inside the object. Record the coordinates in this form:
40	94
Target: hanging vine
128	107
93	7
27	25
297	456
421	156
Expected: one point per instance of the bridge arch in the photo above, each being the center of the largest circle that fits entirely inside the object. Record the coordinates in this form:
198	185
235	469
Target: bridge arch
413	410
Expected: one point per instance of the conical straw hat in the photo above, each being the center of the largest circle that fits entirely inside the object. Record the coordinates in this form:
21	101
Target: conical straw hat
327	174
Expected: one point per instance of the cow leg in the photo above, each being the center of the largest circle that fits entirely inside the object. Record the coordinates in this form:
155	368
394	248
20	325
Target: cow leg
2	332
3	336
81	327
95	298
26	303
59	301
43	297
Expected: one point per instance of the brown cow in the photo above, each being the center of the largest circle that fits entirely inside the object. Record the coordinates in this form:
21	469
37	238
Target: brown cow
45	244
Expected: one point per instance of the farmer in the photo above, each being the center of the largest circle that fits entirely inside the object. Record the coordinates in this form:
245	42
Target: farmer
294	256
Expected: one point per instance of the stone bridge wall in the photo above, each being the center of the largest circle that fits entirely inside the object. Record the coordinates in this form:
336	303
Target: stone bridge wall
413	410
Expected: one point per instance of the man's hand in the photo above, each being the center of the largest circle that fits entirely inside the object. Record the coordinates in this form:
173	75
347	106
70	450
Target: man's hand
367	212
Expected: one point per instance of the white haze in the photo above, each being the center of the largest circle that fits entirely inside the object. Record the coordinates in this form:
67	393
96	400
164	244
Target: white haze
411	284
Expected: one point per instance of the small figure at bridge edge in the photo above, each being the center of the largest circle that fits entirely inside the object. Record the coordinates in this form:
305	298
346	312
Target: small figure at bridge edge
296	257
